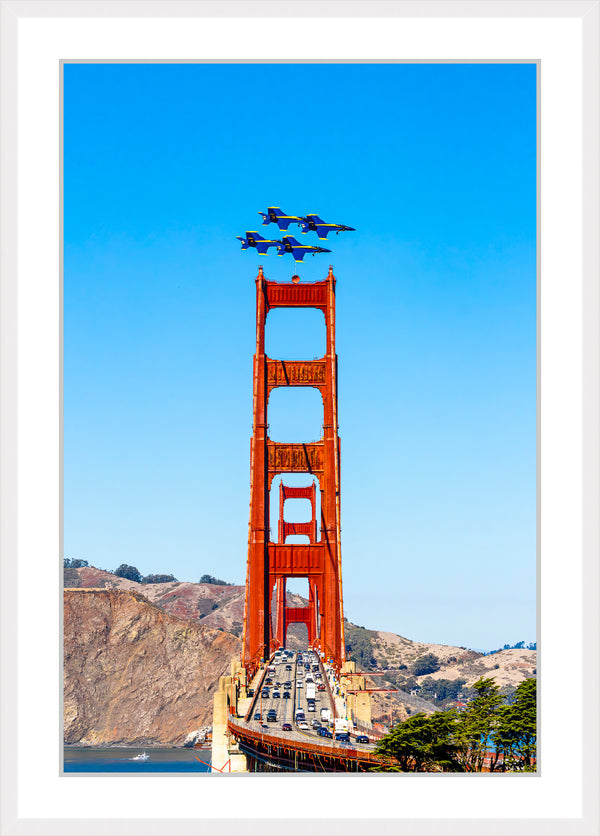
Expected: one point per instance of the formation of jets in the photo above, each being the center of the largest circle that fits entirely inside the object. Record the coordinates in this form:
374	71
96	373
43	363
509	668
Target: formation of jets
288	244
312	223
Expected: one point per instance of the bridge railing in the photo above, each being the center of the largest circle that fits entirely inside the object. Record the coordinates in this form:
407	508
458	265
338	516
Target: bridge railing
333	748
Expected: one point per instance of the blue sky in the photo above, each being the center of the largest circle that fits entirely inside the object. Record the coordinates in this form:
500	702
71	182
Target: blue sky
435	167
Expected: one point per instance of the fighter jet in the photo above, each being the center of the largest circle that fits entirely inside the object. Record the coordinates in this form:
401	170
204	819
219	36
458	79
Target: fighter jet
274	215
253	239
314	223
288	244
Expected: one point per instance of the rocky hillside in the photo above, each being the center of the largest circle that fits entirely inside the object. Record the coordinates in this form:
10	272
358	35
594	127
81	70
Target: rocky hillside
135	674
448	672
221	607
199	625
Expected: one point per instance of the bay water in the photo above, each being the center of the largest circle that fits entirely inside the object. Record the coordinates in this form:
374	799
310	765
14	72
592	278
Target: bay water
114	760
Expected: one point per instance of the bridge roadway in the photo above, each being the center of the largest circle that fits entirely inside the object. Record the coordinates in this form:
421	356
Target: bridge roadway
294	673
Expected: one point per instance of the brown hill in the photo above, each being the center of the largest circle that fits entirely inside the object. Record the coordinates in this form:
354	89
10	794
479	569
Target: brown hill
215	605
221	608
133	674
507	667
395	656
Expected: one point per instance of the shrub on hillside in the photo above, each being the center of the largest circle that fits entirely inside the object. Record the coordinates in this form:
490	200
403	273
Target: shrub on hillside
359	645
74	563
429	663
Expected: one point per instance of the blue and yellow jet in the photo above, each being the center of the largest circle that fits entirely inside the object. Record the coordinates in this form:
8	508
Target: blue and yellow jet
313	223
274	215
288	244
253	239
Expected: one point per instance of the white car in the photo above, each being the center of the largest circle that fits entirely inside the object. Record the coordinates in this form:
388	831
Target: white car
303	725
299	684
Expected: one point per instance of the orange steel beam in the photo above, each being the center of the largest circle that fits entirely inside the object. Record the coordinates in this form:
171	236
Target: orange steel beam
336	752
365	673
270	564
369	690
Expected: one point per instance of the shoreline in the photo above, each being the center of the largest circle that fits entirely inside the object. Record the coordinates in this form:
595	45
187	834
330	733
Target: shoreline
133	746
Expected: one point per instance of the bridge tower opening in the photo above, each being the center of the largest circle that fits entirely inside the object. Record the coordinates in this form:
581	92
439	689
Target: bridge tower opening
319	560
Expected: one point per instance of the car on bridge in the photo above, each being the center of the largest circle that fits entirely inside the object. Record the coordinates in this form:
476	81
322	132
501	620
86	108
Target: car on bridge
265	692
287	695
303	725
287	727
323	732
276	694
272	716
257	715
362	738
344	737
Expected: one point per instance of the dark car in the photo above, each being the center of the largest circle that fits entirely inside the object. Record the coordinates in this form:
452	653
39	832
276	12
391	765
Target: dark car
276	695
343	736
271	718
268	681
287	727
362	738
288	667
250	692
320	687
265	692
287	695
323	732
257	716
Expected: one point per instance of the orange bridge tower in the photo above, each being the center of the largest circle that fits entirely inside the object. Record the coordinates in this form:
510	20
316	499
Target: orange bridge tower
319	561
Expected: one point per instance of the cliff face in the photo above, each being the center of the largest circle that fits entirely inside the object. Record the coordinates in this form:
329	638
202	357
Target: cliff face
134	674
214	605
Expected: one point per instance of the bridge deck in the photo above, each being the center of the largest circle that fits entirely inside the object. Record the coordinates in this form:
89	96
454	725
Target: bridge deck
257	735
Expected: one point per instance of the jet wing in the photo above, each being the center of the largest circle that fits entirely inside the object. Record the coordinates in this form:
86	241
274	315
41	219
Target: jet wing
298	254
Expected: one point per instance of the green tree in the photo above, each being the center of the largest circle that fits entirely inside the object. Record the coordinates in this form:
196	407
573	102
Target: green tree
216	581
74	563
423	743
478	723
159	579
128	572
441	690
516	735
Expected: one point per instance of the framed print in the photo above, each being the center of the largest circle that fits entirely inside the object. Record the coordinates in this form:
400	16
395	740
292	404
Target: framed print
559	42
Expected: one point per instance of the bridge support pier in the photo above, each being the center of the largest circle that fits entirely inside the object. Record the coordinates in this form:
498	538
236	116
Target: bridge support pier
225	755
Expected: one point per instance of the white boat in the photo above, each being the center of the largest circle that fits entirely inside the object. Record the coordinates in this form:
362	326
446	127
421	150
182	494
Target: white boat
141	757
